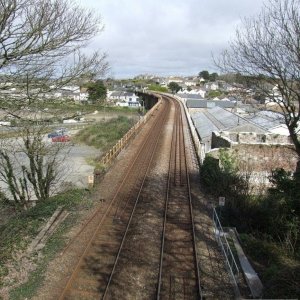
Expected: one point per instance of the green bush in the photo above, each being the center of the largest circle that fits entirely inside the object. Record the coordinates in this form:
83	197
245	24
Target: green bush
279	272
282	210
104	135
268	224
275	215
221	178
158	88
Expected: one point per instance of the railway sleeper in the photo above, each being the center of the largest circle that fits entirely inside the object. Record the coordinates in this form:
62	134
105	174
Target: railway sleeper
179	249
77	294
179	287
90	284
179	241
180	268
179	224
178	234
179	205
101	253
179	261
105	241
94	265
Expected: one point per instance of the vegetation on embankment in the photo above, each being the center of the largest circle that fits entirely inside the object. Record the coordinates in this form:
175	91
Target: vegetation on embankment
17	233
105	134
268	224
158	88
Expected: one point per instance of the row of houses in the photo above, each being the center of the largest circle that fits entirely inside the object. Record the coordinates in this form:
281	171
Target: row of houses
76	93
72	92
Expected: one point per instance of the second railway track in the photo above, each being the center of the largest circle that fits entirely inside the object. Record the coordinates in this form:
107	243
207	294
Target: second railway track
179	274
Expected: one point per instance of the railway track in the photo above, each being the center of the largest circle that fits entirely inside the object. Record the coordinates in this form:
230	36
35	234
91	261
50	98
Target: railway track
144	244
95	266
179	273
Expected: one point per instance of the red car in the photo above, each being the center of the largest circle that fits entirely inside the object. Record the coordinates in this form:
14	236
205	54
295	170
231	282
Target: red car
61	138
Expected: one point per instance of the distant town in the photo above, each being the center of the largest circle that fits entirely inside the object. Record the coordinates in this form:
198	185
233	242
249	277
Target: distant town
225	111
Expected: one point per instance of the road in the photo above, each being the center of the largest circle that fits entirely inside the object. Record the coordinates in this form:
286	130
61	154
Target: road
77	168
74	169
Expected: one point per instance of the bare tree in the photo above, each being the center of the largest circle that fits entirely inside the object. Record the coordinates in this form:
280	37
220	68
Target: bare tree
30	167
267	48
42	48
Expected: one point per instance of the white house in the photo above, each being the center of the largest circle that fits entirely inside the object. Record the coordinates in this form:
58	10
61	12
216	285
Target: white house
195	91
175	79
80	97
134	104
211	86
124	96
226	87
191	82
71	88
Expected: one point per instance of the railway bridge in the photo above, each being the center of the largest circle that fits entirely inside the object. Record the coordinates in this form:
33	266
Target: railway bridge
152	237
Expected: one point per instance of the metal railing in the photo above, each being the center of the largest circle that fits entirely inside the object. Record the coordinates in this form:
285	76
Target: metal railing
230	260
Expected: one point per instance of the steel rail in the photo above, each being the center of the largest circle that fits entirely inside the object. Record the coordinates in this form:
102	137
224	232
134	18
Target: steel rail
180	138
175	148
181	145
88	245
129	170
132	212
165	213
192	221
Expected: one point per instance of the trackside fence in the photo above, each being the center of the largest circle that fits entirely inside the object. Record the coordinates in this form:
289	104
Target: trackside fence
230	261
123	142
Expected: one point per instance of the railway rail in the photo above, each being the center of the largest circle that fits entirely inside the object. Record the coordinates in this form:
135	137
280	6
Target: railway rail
179	273
92	273
144	244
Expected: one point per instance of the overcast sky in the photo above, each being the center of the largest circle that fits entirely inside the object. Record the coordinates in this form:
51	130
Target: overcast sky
166	37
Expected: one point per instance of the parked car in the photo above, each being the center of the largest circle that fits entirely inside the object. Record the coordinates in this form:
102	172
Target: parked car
61	138
54	134
58	132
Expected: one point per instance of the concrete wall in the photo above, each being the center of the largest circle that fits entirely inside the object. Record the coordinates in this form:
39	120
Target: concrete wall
262	157
257	160
266	157
227	139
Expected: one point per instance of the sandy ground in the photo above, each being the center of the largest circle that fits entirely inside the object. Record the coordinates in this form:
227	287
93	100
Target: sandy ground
77	168
74	162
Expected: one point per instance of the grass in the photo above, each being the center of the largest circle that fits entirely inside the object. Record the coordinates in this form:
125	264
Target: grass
104	135
18	232
279	272
158	88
